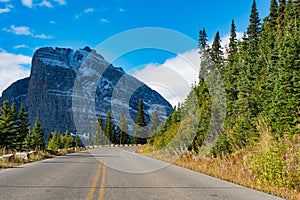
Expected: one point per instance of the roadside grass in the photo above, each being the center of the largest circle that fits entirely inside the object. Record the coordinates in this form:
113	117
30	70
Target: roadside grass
14	160
272	165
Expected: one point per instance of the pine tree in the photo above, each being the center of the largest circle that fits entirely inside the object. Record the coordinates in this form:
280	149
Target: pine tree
77	141
7	127
90	140
232	42
123	132
140	132
155	123
68	140
22	128
98	131
273	13
216	52
202	42
49	137
109	128
254	27
28	141
100	136
54	143
230	72
281	14
38	135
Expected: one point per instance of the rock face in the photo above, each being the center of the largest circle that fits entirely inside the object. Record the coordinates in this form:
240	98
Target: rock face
68	88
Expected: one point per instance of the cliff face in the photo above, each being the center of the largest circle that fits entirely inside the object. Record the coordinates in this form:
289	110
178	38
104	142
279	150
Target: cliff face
68	88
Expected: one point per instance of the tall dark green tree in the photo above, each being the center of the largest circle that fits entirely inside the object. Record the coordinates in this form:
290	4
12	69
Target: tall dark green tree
155	123
281	14
77	140
68	140
232	42
216	52
55	142
202	42
140	132
109	128
254	27
38	135
231	71
90	141
123	132
8	138
273	13
22	128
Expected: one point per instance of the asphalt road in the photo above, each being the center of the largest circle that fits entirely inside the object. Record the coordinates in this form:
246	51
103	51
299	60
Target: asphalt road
115	174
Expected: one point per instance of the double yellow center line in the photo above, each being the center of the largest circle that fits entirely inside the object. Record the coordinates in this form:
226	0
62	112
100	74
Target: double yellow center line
94	184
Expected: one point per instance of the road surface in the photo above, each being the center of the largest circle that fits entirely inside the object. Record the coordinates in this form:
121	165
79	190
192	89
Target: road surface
115	173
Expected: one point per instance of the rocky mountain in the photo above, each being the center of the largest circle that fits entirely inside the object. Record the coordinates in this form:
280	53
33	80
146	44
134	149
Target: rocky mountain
67	89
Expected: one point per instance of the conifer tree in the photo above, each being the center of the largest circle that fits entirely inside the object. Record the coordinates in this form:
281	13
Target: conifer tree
28	141
140	132
281	14
109	128
254	27
22	128
156	123
232	42
90	140
231	71
100	136
68	140
7	126
273	13
38	135
54	143
77	141
216	52
49	137
123	132
202	42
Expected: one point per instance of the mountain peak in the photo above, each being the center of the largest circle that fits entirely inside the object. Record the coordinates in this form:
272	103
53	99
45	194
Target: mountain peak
49	91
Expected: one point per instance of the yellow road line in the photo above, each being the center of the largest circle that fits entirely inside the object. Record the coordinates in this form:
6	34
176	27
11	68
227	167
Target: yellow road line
101	191
93	186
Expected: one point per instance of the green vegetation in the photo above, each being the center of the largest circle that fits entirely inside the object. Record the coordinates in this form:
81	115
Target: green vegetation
15	134
105	131
259	138
140	131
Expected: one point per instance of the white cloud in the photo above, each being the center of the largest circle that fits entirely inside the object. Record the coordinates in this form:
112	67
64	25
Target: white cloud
12	69
21	46
173	78
103	20
7	9
24	30
27	3
89	10
45	3
4	10
61	2
122	10
52	22
43	36
19	30
4	1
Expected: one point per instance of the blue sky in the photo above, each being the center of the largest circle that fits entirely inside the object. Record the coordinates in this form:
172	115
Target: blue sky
29	24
